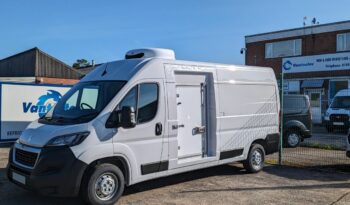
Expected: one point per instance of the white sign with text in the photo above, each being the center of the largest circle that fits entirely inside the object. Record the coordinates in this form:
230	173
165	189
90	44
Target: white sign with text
326	62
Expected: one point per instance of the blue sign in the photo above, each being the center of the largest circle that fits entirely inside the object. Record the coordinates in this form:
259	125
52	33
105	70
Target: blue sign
44	104
287	65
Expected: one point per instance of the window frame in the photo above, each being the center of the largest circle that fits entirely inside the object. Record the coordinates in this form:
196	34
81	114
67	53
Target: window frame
271	45
137	100
345	37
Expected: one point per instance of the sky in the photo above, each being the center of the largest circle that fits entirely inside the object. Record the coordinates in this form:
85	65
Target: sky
200	30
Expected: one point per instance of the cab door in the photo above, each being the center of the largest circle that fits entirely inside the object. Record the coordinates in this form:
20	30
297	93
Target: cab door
146	140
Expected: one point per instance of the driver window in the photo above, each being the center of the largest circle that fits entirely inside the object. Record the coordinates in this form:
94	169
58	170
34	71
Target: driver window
89	98
130	99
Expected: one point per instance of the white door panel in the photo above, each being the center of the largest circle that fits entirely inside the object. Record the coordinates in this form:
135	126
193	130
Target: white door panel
189	117
147	147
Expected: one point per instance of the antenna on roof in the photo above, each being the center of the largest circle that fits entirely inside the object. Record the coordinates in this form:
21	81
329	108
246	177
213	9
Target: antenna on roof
304	20
105	70
314	21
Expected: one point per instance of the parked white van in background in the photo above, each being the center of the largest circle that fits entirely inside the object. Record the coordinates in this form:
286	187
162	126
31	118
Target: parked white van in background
146	117
337	115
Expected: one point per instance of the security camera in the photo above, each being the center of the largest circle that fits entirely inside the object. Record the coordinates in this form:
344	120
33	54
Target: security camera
243	50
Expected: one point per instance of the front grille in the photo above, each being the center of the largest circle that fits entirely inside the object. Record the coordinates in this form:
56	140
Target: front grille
26	158
339	118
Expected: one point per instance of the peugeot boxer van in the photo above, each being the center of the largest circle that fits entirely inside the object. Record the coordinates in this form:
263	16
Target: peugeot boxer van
145	117
337	115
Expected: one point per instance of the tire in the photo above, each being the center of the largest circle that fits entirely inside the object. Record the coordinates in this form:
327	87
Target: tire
292	138
97	185
256	159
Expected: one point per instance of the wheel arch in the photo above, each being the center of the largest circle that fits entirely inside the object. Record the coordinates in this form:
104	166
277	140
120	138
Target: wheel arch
119	161
294	124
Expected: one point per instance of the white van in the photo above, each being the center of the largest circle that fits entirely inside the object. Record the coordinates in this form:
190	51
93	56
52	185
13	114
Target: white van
146	117
338	113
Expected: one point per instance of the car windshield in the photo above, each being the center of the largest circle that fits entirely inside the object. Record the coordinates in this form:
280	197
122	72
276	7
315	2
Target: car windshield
341	102
83	102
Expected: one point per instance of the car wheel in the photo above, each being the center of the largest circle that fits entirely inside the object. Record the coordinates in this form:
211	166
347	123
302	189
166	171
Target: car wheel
293	138
103	185
256	159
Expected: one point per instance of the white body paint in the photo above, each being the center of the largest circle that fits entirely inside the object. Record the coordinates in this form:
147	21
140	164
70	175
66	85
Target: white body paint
236	104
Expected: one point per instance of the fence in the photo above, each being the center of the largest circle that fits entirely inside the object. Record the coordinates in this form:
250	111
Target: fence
315	123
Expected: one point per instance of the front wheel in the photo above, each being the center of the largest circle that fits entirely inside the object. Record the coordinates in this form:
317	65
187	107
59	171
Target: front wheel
103	185
256	159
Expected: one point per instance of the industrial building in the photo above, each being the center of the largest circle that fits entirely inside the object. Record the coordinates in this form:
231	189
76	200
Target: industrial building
314	60
36	66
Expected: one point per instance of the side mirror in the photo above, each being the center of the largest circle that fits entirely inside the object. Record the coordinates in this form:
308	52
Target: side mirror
122	118
127	117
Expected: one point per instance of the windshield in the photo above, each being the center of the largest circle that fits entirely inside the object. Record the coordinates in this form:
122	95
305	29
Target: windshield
341	102
83	102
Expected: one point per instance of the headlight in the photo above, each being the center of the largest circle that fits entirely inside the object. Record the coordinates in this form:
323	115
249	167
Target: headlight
68	140
327	114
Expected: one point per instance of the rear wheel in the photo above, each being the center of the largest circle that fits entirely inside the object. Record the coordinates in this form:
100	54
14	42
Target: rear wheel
104	184
293	138
256	159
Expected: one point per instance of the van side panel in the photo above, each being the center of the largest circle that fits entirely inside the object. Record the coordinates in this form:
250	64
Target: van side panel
248	108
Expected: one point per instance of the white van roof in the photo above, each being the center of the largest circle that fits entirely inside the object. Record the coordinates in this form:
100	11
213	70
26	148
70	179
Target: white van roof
136	59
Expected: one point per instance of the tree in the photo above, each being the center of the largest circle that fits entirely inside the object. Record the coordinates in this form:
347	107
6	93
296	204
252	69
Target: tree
81	63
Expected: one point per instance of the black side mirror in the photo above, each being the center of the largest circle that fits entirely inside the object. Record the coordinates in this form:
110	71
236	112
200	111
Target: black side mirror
127	117
122	118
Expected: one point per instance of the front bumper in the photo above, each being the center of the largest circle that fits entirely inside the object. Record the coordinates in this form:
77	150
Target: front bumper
57	172
330	123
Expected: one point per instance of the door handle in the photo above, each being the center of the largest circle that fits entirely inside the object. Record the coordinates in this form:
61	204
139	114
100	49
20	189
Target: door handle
177	126
159	129
198	130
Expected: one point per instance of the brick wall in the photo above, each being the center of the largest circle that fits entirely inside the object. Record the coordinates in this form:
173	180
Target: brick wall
314	44
61	81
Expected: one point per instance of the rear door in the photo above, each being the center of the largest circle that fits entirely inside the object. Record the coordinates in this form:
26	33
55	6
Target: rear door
296	108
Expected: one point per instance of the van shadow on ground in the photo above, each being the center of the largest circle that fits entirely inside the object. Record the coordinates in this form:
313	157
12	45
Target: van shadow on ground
184	177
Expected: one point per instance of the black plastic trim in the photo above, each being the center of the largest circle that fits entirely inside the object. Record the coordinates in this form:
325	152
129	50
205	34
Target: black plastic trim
272	143
137	55
57	172
231	154
154	167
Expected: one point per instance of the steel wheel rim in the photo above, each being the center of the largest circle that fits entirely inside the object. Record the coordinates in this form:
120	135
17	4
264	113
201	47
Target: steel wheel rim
257	159
293	139
106	186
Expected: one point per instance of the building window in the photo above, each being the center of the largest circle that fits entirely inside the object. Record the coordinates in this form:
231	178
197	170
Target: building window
343	42
283	48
